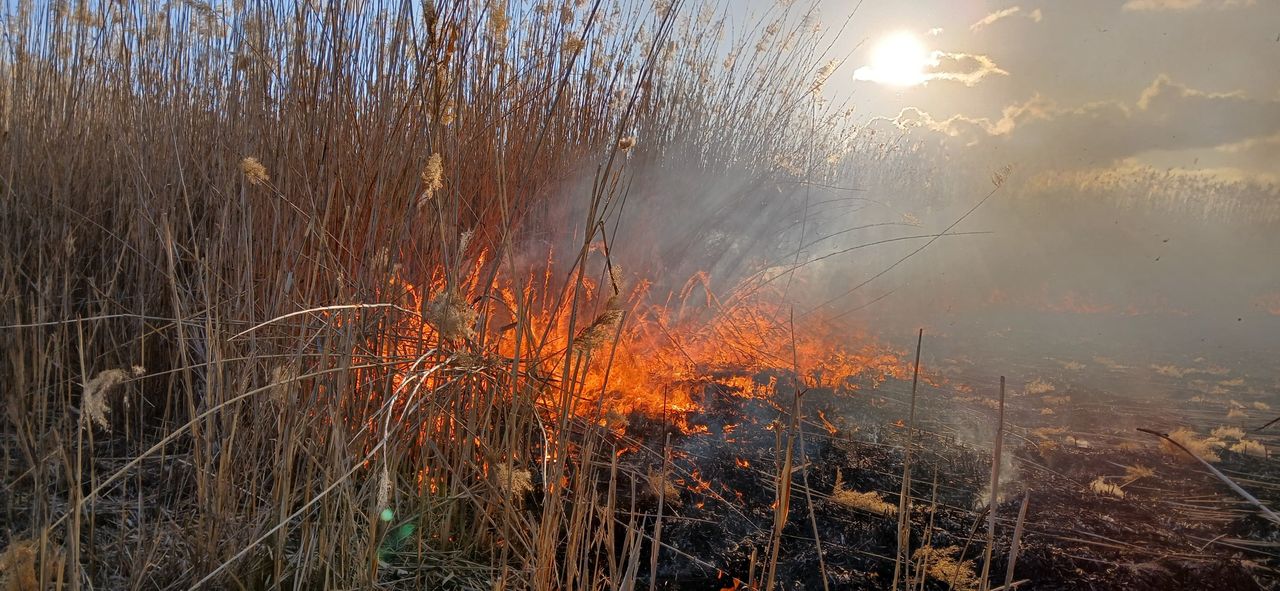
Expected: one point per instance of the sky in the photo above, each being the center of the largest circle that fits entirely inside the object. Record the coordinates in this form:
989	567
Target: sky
1190	84
1144	137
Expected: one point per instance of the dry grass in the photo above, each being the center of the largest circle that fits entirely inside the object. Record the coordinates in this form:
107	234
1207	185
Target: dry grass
1100	486
512	481
870	501
1250	447
18	567
1048	433
1039	386
205	168
663	484
1201	447
943	567
1135	473
1079	442
1227	433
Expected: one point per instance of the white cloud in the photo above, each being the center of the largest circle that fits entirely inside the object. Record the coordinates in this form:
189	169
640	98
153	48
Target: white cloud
993	17
986	21
965	68
1165	116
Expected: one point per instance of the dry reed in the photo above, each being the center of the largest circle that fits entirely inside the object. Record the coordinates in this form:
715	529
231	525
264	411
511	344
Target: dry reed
290	388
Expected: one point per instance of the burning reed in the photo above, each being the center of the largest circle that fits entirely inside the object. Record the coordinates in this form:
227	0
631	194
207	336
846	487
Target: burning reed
366	255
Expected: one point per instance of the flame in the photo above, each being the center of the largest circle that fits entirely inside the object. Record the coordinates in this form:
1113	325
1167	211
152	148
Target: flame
647	353
826	424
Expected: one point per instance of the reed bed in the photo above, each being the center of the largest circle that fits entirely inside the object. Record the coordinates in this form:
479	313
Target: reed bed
288	289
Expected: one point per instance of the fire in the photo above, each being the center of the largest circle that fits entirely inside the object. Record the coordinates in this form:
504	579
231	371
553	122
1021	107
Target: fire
624	350
826	424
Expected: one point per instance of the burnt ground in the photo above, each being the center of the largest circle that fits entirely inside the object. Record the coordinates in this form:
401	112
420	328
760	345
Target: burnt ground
1178	528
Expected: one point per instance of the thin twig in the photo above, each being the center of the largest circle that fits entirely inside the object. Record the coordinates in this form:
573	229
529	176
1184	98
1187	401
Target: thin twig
320	309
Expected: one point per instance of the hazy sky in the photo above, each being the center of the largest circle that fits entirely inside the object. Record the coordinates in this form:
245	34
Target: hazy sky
1136	128
1191	84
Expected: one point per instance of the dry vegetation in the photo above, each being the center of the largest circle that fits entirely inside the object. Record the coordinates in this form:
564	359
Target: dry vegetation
316	235
333	295
1201	447
1100	486
869	501
941	565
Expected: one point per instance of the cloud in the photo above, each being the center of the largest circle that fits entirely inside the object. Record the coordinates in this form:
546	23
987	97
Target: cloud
1034	15
965	68
1183	5
1254	152
1166	116
993	17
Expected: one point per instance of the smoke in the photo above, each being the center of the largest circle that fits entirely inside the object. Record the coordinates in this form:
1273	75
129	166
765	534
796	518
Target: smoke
1061	267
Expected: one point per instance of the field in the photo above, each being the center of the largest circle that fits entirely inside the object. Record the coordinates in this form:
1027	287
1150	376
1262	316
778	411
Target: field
470	295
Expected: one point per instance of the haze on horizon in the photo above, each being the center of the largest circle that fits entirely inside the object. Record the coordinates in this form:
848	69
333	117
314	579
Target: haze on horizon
1141	142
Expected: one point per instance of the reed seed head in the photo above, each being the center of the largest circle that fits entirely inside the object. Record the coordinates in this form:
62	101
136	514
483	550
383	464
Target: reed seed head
254	171
432	178
94	405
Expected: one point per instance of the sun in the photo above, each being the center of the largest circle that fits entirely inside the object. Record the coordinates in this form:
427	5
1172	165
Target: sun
898	59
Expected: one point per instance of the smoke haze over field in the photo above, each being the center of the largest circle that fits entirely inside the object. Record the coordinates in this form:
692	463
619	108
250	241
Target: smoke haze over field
1142	213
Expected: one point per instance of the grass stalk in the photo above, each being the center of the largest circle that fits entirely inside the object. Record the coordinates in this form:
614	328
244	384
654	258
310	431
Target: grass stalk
902	559
997	446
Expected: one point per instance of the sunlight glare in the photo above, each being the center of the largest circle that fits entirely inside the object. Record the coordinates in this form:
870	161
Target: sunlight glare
899	59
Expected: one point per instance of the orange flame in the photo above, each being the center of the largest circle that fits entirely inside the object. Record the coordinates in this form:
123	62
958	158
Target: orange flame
656	361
